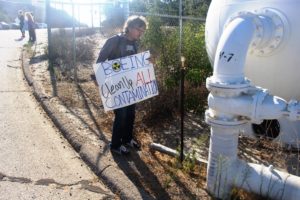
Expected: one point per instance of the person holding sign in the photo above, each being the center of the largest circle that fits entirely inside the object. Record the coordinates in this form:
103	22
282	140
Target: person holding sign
121	45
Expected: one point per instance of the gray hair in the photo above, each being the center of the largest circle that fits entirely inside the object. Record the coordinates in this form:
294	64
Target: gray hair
135	21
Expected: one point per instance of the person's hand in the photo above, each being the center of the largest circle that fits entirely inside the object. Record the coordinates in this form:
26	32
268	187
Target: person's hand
93	77
152	59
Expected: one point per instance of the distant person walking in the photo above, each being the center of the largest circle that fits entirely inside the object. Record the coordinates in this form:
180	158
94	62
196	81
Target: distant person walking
31	27
21	18
121	45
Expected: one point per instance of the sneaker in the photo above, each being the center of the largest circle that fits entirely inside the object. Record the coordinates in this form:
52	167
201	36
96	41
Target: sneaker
121	150
133	144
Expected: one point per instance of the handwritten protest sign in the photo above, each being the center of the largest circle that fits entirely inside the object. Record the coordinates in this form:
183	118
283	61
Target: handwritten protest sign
125	81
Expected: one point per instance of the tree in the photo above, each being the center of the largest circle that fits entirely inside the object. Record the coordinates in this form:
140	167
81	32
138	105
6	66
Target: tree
3	16
195	8
163	40
114	14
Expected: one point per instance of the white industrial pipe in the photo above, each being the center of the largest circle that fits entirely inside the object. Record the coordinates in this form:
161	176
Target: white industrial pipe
272	59
226	171
232	50
266	181
256	107
220	160
233	102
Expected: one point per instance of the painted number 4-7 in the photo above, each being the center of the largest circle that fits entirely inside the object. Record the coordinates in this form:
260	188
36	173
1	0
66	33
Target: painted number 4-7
226	56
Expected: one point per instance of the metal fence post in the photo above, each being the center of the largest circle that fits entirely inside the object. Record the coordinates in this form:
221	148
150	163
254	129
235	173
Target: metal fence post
50	57
99	8
126	7
92	15
79	20
74	44
182	59
48	28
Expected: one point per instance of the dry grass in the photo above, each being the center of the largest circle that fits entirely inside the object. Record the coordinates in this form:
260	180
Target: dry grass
161	175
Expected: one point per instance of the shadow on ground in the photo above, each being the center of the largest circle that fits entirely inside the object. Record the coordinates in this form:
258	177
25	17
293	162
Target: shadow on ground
140	174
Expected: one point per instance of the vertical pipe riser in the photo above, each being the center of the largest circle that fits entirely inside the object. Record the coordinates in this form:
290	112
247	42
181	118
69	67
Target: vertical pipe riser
224	169
220	160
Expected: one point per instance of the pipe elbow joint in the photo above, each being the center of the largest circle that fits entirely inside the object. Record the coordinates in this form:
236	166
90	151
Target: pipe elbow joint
259	33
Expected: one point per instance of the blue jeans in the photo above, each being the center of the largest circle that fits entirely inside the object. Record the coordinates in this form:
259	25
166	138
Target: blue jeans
123	126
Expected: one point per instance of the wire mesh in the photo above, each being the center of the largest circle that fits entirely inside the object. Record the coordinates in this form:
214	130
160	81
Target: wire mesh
74	50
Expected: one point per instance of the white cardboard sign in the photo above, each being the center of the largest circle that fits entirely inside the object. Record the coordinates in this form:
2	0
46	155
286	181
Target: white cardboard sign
125	81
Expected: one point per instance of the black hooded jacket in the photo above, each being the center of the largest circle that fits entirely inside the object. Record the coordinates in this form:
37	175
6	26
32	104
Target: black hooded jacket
116	47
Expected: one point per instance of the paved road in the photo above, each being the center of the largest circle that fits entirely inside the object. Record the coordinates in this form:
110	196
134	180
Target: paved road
35	161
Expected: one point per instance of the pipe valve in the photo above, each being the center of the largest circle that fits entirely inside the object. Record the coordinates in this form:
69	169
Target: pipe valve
294	110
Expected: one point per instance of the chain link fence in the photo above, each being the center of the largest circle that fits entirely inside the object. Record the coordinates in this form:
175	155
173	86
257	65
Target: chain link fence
175	30
76	32
173	33
175	38
73	41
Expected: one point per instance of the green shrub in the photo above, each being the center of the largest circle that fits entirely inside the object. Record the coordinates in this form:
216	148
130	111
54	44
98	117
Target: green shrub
189	162
198	65
153	37
163	42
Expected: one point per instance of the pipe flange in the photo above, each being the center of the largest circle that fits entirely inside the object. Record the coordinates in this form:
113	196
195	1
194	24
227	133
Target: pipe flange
264	44
237	15
218	121
228	89
272	29
258	98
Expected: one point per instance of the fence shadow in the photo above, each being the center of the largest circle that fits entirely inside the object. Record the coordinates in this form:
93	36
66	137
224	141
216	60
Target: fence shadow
98	131
187	192
194	129
38	59
136	170
90	113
